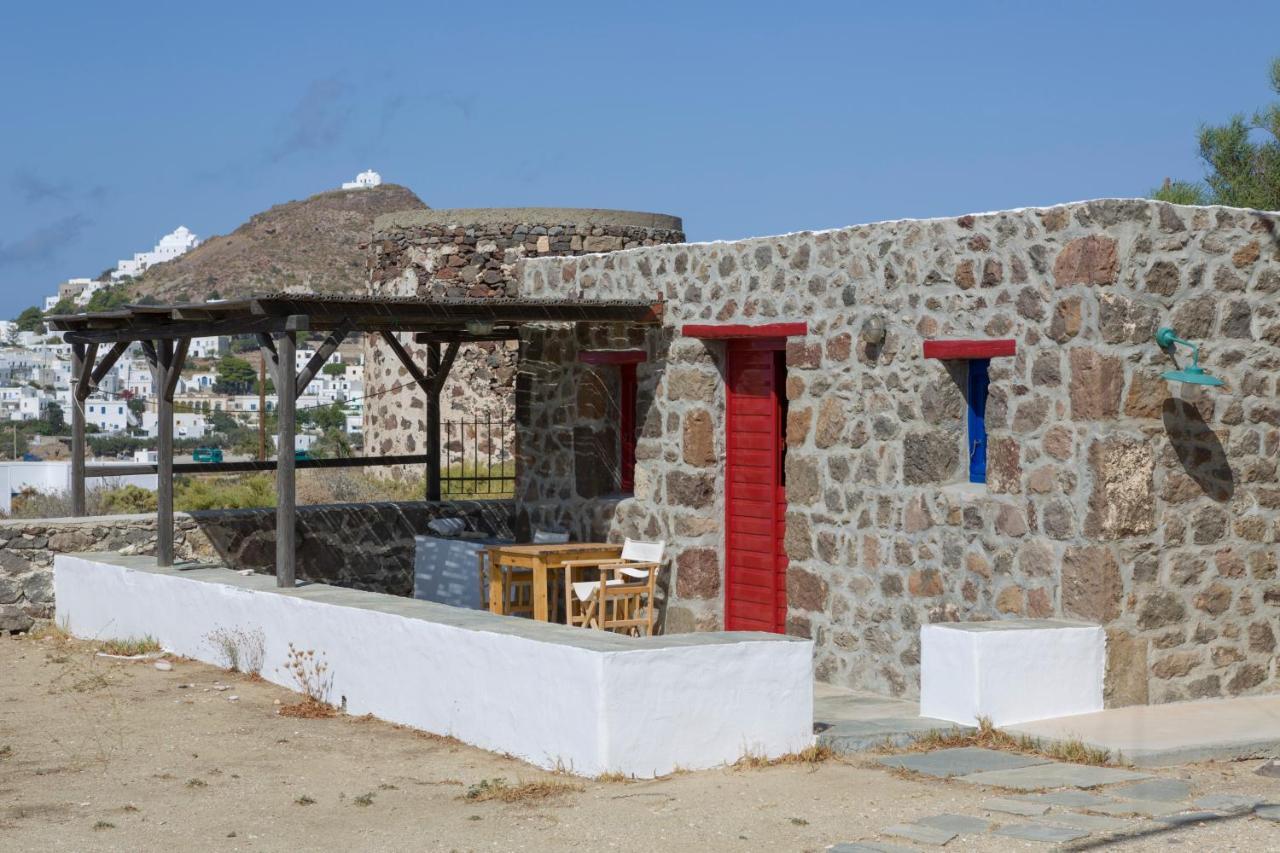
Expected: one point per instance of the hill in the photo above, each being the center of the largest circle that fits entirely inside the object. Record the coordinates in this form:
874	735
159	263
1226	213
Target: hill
315	244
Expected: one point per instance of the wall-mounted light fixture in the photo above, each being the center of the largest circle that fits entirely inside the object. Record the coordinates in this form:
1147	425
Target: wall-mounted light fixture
1193	375
873	332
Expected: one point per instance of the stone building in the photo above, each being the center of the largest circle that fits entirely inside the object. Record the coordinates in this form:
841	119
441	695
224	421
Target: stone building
473	253
812	477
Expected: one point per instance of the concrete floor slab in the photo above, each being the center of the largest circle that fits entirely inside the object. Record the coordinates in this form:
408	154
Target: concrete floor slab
920	833
1021	808
1071	799
848	721
869	847
1041	832
1174	733
957	823
961	761
1089	822
1056	775
1159	790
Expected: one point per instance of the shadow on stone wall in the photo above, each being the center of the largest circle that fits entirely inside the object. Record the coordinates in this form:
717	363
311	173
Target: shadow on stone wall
365	546
1198	449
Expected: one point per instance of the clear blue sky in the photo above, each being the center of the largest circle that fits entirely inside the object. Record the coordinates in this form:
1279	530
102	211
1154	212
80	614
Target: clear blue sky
124	120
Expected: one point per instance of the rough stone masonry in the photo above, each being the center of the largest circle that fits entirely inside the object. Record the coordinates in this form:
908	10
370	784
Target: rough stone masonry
1111	496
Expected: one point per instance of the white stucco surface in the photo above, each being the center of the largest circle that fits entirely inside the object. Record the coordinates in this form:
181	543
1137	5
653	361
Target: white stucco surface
558	697
1014	671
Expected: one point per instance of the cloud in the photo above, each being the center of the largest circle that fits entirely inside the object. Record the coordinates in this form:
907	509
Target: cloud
45	243
318	121
33	189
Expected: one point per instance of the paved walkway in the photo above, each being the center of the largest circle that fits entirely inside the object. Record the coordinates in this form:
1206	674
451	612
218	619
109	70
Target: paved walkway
1063	803
1142	735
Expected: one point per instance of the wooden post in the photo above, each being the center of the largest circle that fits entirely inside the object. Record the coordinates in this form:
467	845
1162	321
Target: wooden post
286	493
77	431
262	408
433	422
166	370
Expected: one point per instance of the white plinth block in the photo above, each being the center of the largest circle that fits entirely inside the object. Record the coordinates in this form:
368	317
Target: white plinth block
1011	671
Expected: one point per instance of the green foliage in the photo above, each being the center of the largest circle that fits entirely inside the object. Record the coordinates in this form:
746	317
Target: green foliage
333	444
1242	159
63	306
109	298
240	492
1181	192
30	320
54	418
235	376
128	499
334	369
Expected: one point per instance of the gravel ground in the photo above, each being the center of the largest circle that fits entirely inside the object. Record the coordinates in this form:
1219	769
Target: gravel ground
100	754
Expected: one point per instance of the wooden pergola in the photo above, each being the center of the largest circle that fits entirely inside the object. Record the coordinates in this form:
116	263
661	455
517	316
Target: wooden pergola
165	331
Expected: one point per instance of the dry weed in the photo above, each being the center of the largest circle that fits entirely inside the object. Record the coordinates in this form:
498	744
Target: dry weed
523	792
127	647
240	650
308	709
811	755
987	736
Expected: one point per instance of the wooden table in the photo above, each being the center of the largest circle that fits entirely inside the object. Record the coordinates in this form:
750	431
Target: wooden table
541	560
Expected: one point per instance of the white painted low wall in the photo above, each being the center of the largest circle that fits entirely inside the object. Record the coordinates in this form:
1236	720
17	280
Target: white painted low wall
584	701
1013	671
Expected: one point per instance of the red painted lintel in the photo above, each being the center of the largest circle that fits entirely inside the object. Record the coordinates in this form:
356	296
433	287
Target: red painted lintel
970	349
612	356
767	330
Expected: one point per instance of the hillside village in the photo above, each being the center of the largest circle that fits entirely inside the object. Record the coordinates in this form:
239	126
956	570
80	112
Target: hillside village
218	402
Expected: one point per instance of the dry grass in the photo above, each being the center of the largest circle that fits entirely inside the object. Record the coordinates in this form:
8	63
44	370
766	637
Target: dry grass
987	736
47	629
308	709
127	647
614	777
811	755
522	792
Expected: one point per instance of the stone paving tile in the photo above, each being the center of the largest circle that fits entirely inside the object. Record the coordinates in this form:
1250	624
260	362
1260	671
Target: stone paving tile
1162	790
1018	807
1090	822
868	847
1041	832
1229	802
1142	808
1073	799
960	761
1182	818
1268	812
920	833
957	823
1053	776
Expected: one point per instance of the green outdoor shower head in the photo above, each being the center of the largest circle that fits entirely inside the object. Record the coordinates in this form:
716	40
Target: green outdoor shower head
1193	375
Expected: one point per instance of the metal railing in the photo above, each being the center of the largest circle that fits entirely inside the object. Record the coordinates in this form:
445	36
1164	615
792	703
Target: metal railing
477	457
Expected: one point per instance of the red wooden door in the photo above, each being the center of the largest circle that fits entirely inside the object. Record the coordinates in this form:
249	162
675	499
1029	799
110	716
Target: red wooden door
755	495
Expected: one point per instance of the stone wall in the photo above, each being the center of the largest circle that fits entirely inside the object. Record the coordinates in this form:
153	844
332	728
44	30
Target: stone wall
473	253
1111	496
364	546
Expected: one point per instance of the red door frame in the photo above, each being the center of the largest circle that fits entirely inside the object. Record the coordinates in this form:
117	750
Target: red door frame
776	502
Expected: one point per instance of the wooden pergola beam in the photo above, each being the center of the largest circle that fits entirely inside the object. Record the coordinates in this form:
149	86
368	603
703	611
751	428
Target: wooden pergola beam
318	359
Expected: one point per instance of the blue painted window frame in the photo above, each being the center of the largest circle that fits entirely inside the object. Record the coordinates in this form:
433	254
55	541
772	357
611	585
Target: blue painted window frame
977	397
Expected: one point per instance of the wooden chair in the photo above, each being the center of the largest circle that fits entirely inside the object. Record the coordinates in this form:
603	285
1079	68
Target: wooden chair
614	601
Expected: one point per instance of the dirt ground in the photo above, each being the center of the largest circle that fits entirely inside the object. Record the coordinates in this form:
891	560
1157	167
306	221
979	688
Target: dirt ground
99	754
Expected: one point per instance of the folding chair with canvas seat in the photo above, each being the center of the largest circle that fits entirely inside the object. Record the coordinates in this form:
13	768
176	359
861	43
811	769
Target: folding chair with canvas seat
613	602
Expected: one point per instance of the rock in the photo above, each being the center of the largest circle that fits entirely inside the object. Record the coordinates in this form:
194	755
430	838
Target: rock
1097	382
805	590
1125	682
163	665
803	479
1066	320
12	618
699	442
831	422
698	573
1122	502
1159	609
925	583
10	590
691	490
1091	584
1004	466
687	384
1010	600
1214	600
1163	278
930	457
1087	260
